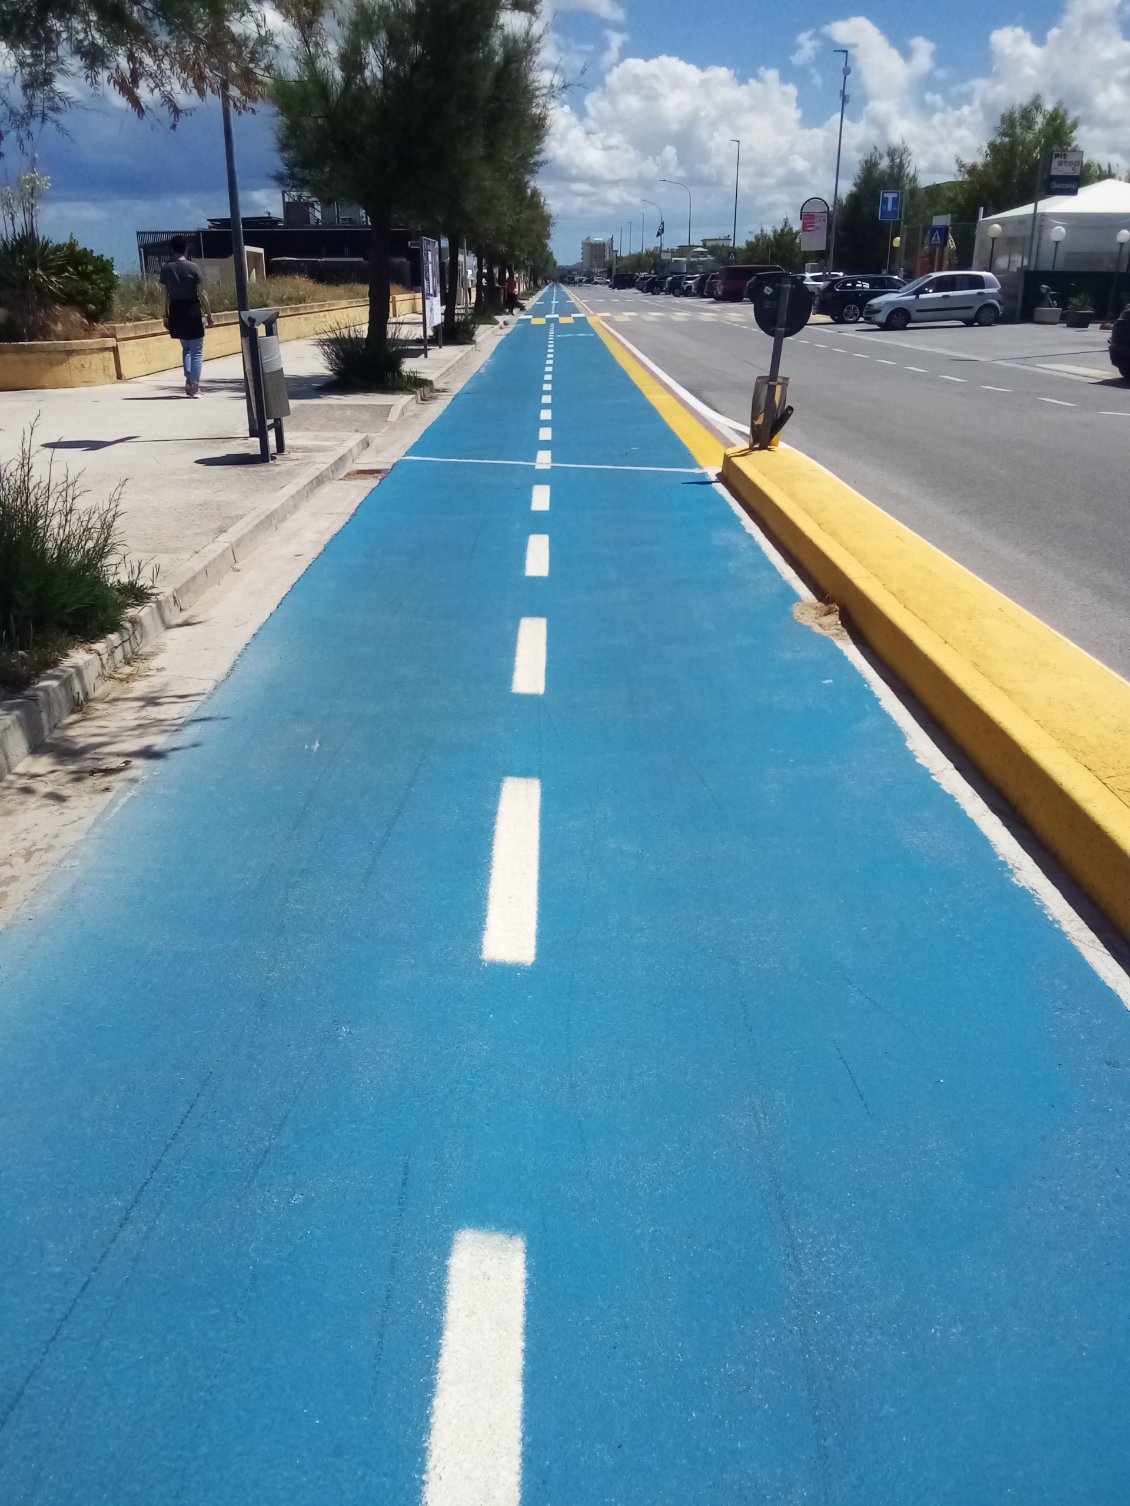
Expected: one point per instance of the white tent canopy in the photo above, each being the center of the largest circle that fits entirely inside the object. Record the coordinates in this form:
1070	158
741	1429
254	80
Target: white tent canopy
1091	220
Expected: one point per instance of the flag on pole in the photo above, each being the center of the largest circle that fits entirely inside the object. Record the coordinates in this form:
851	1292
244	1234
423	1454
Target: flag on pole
659	232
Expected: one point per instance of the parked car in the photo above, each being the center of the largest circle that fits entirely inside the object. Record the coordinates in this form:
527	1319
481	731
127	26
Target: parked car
732	281
655	282
971	297
692	284
845	298
623	280
816	282
710	285
748	292
674	283
1120	343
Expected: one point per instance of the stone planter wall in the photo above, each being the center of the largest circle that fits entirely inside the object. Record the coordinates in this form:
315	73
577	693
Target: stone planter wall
123	351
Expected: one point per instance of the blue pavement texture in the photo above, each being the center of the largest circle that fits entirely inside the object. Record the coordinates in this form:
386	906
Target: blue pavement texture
814	1125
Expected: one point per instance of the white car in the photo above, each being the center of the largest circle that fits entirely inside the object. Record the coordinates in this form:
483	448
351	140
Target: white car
971	297
816	282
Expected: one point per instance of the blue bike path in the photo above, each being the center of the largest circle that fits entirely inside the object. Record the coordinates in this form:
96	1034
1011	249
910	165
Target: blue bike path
808	1123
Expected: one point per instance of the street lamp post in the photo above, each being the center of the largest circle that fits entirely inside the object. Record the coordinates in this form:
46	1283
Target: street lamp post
737	168
995	232
1057	236
238	252
687	191
839	152
1120	240
659	212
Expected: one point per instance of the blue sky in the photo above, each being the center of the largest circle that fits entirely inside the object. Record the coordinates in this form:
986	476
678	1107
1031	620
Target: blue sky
658	90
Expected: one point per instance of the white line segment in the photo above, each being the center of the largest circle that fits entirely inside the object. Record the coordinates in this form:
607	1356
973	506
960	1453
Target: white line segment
511	932
921	370
546	414
537	554
545	434
539	499
943	378
986	388
529	658
1058	401
543	460
475	1444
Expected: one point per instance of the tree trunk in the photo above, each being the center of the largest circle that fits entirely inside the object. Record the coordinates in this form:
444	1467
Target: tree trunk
480	274
380	285
451	302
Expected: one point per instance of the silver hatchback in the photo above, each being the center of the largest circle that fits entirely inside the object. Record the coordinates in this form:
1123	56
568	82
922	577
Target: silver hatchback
971	297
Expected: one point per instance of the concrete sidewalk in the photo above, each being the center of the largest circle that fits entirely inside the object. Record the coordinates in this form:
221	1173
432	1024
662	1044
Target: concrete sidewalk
188	470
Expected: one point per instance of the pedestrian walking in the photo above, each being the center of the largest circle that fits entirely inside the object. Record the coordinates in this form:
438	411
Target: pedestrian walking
186	311
511	293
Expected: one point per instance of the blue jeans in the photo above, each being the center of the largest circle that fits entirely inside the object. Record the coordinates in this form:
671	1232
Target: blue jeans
193	359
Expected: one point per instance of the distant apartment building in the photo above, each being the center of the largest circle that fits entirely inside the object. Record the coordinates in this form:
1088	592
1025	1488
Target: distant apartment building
596	255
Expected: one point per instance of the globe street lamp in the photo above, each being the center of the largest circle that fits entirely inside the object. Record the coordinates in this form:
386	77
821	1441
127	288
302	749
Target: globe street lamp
995	232
687	191
1120	240
1058	234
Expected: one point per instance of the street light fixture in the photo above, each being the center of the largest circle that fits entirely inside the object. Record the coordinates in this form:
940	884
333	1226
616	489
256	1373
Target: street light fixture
1120	240
844	97
737	168
687	191
1058	234
995	232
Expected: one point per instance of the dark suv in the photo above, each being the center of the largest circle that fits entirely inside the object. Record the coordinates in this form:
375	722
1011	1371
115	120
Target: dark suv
1120	343
845	298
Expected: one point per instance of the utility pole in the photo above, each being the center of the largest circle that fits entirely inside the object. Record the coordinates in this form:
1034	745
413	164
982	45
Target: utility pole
737	168
238	251
839	152
687	191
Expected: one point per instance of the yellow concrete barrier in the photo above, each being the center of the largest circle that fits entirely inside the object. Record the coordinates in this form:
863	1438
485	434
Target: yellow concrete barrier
1047	724
123	351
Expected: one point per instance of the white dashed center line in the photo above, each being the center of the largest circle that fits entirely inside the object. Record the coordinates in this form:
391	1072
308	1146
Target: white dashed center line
545	433
539	499
1058	401
858	354
537	554
986	388
943	378
529	658
546	413
921	370
475	1443
543	460
883	362
512	904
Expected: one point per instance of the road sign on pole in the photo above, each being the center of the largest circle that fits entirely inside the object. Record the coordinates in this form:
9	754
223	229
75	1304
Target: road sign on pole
890	204
939	236
814	225
1063	178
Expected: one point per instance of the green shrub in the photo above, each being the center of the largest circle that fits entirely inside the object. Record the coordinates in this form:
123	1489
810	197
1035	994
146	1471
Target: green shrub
88	281
355	364
32	272
462	332
1080	301
61	565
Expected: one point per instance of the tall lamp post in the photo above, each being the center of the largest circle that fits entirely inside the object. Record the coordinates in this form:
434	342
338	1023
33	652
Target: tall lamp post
995	232
844	96
687	191
1058	233
737	168
659	212
1120	240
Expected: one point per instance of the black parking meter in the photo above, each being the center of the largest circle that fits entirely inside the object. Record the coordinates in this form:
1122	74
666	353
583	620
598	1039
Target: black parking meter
266	380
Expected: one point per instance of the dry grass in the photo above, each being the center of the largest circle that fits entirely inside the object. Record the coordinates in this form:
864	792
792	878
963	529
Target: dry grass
137	298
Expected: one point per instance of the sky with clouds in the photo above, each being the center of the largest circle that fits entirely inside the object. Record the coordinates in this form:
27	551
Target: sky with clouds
659	91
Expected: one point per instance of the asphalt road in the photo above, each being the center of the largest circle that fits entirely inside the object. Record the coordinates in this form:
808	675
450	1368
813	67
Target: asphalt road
1008	448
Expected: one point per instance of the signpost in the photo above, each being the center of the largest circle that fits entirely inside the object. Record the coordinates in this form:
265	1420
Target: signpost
814	225
890	204
432	304
781	306
938	236
1064	174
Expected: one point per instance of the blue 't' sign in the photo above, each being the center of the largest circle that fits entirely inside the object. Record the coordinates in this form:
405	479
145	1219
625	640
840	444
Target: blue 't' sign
890	204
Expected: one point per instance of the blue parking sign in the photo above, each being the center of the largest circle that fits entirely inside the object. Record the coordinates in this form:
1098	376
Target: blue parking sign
890	204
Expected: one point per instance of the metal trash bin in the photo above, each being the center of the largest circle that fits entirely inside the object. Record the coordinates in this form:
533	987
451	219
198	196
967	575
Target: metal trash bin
268	403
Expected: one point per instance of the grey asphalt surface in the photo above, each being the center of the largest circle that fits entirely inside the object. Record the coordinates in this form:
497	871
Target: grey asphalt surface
1009	448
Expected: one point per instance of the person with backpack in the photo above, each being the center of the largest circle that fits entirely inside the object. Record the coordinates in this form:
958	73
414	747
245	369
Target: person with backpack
187	311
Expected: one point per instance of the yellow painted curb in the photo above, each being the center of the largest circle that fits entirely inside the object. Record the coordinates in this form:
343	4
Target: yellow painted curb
1047	724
